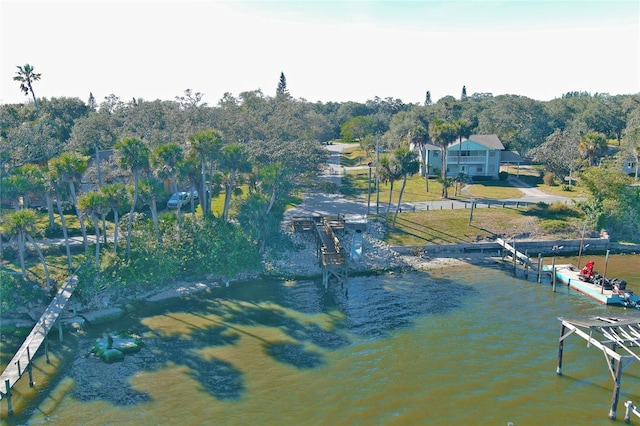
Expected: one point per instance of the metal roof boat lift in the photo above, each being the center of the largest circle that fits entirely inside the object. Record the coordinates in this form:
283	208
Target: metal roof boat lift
607	333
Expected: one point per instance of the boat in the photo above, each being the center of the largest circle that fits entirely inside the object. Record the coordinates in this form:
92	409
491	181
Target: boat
592	284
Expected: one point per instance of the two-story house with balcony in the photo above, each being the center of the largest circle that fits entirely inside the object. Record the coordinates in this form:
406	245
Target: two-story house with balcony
479	155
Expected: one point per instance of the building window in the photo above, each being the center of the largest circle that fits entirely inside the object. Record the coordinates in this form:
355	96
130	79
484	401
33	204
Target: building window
492	153
479	169
436	153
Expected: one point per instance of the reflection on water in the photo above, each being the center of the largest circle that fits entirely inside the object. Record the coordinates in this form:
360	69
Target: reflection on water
470	345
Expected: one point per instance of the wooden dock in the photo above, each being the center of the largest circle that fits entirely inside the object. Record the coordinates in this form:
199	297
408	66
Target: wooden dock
330	253
22	361
617	336
521	257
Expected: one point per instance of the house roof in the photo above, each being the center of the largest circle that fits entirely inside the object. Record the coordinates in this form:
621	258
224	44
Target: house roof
511	157
489	141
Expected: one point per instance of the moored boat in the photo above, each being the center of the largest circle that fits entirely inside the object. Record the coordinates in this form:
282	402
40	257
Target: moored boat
592	284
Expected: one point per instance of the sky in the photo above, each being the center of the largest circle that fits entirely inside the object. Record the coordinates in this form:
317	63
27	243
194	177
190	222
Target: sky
328	50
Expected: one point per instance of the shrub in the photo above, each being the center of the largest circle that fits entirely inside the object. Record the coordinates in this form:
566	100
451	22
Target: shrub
503	175
549	179
481	178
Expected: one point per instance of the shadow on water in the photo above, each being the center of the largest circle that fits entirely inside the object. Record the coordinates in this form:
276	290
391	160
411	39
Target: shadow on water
295	354
373	307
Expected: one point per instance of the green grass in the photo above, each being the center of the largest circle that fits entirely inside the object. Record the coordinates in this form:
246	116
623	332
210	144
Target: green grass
355	184
353	156
452	226
495	189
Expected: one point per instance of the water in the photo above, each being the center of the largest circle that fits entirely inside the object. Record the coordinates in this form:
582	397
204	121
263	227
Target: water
470	345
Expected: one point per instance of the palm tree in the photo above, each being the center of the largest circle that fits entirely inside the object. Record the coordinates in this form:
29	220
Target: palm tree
443	134
206	145
389	172
134	155
409	166
21	224
149	190
166	161
234	160
463	130
94	204
56	186
116	195
26	76
592	145
69	167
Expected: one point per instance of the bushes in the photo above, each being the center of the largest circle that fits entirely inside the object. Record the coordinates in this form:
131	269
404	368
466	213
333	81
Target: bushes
503	176
549	179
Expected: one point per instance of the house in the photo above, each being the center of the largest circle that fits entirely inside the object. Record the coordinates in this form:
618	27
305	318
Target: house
478	155
629	166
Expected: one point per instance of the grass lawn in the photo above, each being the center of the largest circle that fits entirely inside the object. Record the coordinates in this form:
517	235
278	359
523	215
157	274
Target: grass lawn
452	226
495	189
355	184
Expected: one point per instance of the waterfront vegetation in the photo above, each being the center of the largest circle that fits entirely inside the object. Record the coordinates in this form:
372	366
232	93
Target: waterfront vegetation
106	170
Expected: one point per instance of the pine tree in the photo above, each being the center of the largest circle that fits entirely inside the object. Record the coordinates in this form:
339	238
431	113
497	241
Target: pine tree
427	99
91	103
282	87
463	97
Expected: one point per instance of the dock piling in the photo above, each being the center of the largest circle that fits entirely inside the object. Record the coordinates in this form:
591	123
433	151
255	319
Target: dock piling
553	274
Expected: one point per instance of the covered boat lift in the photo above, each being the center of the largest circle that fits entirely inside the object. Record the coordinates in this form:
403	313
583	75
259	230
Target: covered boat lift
607	333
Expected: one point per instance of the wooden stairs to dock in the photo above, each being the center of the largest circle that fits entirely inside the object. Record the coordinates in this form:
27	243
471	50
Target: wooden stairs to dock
332	256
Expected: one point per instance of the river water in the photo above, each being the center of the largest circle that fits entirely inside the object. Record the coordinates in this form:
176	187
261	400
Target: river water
469	345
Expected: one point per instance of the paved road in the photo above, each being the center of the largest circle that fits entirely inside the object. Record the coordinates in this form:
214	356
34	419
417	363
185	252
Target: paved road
332	204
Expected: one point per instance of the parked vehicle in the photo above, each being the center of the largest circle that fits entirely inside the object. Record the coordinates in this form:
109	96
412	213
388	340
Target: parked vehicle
179	197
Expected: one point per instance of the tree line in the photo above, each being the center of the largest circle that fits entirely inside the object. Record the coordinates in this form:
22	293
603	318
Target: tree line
270	146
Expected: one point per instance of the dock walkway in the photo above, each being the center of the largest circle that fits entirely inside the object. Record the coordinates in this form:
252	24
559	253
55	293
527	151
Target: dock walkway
21	362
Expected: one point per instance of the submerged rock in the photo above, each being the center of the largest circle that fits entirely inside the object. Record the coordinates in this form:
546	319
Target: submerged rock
116	345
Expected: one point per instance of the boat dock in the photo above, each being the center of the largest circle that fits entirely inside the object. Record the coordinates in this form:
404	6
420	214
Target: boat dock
22	361
331	255
608	334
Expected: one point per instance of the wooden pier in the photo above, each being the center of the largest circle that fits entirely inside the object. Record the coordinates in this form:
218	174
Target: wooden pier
331	256
608	334
521	257
22	361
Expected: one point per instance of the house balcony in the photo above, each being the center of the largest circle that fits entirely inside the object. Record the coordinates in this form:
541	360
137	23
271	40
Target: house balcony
466	159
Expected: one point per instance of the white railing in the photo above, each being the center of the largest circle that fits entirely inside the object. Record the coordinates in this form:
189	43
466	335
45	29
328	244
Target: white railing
451	159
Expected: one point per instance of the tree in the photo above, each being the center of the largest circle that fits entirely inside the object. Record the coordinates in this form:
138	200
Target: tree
206	144
390	171
95	204
69	167
607	188
55	182
281	91
27	76
149	190
116	196
593	144
463	96
631	147
443	134
559	154
427	98
21	224
234	160
133	155
409	166
463	130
